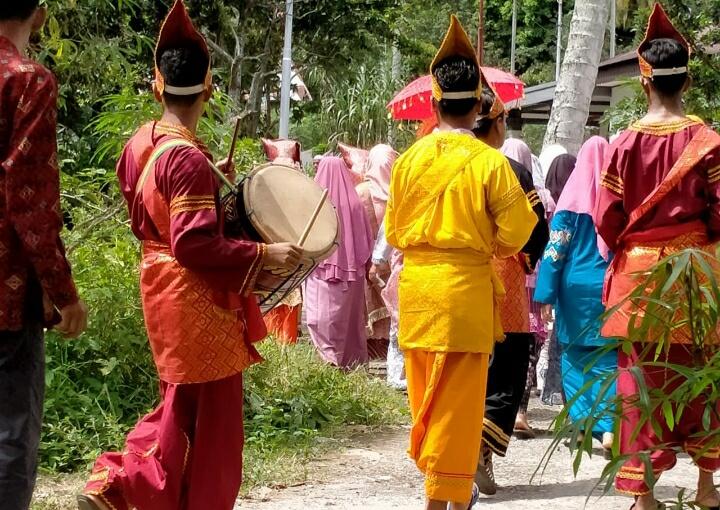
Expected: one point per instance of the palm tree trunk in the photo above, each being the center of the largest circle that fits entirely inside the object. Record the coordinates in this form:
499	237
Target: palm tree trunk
573	93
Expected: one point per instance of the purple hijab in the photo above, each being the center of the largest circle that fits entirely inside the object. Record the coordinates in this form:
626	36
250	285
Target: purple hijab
348	262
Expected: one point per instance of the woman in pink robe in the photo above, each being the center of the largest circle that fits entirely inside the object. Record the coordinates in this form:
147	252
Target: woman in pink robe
335	292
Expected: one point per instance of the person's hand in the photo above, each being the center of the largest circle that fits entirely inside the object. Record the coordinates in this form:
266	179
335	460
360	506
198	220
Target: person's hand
228	168
283	255
374	278
382	270
546	313
74	320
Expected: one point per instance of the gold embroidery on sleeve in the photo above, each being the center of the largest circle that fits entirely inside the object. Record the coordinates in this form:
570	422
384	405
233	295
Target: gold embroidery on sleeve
714	174
612	182
191	203
533	198
508	199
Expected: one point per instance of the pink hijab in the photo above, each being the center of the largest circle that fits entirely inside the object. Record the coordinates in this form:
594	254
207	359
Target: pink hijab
379	166
348	262
580	192
519	151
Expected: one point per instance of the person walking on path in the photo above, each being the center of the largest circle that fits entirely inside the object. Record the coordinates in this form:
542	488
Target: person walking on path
201	317
509	366
335	291
36	285
571	280
454	204
660	194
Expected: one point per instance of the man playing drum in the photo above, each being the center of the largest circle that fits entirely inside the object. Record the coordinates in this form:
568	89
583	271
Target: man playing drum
201	317
454	204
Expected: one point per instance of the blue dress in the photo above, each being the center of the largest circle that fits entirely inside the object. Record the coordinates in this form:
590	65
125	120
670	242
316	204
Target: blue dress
571	278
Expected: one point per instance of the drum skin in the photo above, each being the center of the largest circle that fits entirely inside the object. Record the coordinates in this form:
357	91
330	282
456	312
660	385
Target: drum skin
278	203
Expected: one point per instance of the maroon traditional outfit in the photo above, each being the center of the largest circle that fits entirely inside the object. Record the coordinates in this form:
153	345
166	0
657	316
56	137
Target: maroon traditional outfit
660	193
201	322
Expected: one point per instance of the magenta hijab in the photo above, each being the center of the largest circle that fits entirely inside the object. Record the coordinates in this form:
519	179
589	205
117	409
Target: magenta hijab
580	192
519	151
348	262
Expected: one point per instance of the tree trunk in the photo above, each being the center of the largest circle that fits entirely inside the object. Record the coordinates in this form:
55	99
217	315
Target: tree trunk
573	93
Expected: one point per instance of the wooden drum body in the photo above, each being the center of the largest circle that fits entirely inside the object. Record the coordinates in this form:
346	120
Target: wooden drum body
274	204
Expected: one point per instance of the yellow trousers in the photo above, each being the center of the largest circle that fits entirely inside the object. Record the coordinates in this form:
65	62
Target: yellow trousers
447	401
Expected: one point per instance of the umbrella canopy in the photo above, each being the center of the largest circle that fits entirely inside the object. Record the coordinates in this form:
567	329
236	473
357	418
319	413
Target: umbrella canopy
414	102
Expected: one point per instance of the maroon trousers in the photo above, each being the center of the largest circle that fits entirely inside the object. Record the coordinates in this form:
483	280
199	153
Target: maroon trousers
185	455
662	448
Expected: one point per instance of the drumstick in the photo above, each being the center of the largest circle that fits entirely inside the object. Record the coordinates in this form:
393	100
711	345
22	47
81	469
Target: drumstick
231	155
313	219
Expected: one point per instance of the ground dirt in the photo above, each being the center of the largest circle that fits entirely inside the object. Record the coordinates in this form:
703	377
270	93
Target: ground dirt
371	471
374	473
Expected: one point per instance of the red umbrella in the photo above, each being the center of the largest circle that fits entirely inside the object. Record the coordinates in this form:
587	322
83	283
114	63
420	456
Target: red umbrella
414	102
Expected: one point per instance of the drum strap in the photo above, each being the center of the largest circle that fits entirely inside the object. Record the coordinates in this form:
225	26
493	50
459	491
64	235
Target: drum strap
155	155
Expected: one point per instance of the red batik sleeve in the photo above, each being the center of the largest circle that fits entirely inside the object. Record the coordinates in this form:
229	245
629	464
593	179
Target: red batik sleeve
610	216
33	182
198	244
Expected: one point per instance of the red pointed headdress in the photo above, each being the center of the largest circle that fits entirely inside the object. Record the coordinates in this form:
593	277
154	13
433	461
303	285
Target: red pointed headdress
660	27
178	30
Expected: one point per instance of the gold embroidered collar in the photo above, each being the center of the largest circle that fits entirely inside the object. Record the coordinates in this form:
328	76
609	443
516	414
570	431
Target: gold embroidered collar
663	128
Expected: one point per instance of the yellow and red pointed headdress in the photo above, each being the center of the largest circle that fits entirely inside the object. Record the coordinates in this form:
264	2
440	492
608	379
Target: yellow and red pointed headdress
456	43
660	27
178	30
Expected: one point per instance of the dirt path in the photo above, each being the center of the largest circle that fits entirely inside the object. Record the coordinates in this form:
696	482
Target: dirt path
372	472
375	474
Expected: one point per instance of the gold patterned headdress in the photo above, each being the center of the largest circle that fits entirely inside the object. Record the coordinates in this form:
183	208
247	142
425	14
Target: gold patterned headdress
178	30
456	43
659	27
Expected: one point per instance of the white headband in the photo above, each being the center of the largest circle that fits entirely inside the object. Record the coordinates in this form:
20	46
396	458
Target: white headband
459	95
184	91
669	72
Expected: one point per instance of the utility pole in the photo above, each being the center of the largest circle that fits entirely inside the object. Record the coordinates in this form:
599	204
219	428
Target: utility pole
613	21
513	40
558	57
481	31
286	72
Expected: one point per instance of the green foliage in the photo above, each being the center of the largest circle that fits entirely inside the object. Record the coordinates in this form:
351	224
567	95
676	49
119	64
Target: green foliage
294	395
99	385
680	293
352	111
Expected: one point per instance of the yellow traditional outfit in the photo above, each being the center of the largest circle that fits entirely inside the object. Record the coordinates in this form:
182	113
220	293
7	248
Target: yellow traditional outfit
454	204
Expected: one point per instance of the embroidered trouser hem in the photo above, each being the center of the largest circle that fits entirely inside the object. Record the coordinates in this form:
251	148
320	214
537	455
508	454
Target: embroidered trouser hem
185	455
447	395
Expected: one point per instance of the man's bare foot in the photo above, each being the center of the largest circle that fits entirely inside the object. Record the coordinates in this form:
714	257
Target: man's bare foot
646	502
522	429
88	502
707	493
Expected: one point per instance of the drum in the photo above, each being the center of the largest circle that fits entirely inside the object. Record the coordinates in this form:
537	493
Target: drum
274	204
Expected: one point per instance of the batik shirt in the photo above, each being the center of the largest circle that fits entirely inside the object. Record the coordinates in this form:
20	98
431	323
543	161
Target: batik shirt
32	257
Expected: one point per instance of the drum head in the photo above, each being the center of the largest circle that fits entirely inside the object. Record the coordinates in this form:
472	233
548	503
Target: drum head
280	200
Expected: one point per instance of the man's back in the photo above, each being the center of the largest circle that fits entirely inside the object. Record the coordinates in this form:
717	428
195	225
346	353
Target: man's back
640	159
455	202
30	249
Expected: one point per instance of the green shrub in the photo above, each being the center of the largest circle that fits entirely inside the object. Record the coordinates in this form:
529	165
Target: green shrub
99	385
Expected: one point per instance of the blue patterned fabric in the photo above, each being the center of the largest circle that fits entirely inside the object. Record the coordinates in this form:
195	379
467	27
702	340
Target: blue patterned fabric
571	279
